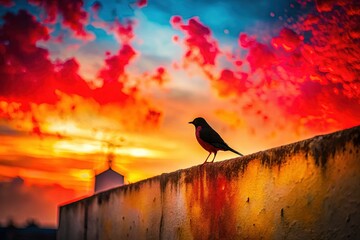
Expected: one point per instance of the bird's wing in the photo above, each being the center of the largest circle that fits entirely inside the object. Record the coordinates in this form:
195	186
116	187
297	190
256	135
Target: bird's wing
209	135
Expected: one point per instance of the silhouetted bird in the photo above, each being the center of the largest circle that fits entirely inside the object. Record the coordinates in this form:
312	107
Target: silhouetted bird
209	139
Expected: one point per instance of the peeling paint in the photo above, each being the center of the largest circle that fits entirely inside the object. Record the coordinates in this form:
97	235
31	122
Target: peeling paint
305	190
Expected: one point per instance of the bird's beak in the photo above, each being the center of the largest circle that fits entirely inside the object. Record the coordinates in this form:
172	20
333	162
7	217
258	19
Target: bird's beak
191	122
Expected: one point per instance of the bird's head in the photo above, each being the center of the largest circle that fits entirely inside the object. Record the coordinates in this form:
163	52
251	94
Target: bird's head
199	121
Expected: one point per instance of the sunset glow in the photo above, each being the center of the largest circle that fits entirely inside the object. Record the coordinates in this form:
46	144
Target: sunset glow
84	79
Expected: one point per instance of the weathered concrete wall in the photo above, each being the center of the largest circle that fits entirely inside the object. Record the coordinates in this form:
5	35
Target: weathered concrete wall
305	190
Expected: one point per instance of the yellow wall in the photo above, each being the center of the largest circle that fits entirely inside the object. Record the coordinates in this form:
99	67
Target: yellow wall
305	190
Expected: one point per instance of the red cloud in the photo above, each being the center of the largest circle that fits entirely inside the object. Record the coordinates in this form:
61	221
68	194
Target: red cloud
6	3
69	81
309	72
113	89
125	30
153	117
231	83
201	48
73	14
25	68
160	76
260	55
28	74
288	40
30	77
325	5
141	3
115	65
321	75
96	6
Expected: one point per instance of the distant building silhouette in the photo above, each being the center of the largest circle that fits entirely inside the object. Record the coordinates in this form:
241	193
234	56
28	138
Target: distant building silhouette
31	232
109	178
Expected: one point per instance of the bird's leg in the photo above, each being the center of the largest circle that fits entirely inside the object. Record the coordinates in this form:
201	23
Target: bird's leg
214	157
206	158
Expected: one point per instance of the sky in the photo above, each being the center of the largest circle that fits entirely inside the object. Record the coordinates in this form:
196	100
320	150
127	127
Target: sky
82	80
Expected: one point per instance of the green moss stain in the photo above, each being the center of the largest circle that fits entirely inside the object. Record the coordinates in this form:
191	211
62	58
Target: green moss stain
172	178
325	146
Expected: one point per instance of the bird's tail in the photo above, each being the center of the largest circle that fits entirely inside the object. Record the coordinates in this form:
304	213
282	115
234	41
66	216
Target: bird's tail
234	151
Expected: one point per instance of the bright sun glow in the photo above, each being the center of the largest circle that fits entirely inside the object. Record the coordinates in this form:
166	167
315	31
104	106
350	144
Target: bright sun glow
77	146
64	127
82	174
136	152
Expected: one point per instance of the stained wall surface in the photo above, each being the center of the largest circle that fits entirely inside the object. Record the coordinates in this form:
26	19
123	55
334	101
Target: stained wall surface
305	190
